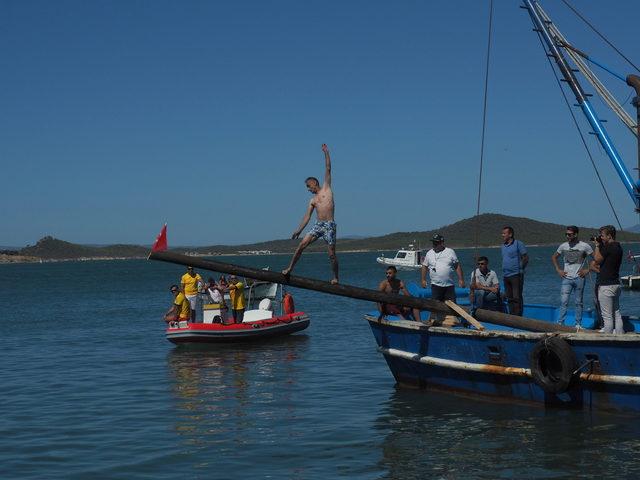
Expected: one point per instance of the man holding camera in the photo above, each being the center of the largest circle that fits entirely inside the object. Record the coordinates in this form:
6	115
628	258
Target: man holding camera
575	253
607	257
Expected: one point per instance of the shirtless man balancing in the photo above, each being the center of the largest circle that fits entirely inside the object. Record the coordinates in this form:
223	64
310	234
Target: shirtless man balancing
325	227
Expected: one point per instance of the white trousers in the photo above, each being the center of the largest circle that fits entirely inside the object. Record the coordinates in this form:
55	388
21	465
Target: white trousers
609	298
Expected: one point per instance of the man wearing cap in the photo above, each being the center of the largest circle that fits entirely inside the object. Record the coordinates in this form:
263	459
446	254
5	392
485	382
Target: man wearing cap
181	309
441	262
190	283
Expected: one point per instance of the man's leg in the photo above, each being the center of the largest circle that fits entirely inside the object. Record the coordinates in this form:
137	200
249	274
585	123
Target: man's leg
520	289
617	316
508	291
579	290
450	294
437	293
192	305
605	298
333	259
479	299
239	315
516	291
565	293
306	241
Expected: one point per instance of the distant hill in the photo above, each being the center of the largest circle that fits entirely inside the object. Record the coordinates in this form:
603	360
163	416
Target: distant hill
53	249
459	234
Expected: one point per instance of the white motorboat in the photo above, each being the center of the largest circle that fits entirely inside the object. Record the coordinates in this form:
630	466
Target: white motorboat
632	282
405	259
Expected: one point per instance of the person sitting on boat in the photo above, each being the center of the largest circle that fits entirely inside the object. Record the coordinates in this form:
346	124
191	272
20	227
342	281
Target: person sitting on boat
325	227
236	294
191	282
484	289
607	256
180	309
514	260
394	285
575	253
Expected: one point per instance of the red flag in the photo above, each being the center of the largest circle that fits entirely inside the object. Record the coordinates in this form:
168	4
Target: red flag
160	245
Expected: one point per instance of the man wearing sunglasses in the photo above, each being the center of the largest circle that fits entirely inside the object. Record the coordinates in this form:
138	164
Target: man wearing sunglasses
575	253
484	290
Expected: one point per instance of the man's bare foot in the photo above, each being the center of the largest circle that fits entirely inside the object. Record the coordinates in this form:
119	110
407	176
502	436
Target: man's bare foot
334	281
286	272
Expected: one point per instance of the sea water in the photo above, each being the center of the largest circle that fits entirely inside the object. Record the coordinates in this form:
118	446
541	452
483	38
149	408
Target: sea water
91	389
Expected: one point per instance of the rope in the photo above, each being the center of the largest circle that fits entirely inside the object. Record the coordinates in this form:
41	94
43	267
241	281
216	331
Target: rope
484	125
599	34
584	142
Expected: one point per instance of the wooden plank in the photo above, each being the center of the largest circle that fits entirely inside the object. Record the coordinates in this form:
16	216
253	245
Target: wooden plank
351	291
464	314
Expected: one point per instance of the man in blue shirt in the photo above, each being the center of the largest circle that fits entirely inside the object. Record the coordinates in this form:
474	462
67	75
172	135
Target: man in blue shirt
514	261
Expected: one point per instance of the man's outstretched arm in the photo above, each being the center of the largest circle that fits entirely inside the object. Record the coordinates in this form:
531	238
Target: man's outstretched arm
305	220
327	164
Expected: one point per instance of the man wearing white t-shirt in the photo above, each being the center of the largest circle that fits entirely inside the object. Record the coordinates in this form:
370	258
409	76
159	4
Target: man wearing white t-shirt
441	262
575	254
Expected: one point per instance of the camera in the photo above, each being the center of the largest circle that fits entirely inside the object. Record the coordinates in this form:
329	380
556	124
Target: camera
595	238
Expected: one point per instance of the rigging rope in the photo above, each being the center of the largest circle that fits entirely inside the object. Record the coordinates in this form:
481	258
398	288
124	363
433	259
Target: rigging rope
484	125
599	34
584	142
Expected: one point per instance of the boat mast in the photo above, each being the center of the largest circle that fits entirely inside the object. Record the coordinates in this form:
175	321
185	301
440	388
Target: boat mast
568	75
634	81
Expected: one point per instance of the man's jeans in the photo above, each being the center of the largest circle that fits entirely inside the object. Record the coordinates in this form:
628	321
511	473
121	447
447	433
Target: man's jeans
485	300
609	298
569	285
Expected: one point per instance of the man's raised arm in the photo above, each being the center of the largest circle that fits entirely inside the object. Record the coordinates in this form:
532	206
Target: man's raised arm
327	163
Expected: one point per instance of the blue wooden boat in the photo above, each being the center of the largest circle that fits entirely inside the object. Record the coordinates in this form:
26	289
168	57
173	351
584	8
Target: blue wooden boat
582	369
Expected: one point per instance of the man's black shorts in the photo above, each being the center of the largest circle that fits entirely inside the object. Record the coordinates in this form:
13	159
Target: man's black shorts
443	293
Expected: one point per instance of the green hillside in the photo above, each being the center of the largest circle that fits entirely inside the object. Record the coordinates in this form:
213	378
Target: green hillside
53	249
459	234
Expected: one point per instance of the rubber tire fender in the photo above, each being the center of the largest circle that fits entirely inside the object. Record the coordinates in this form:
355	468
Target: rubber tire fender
553	362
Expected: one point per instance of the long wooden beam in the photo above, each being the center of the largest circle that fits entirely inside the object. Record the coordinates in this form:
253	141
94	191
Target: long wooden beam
359	293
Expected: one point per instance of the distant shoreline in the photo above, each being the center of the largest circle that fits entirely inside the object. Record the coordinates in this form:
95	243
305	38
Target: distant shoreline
21	259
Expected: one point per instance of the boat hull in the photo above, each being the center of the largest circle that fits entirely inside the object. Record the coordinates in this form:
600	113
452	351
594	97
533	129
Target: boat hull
398	264
497	363
199	333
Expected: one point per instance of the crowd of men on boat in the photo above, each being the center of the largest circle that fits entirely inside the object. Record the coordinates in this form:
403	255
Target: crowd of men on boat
603	256
192	284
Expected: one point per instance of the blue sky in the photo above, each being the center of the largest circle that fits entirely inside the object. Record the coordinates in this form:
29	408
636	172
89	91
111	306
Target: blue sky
119	116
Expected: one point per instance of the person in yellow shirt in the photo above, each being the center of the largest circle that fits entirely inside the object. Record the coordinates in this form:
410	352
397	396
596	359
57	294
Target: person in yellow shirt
236	295
181	309
190	283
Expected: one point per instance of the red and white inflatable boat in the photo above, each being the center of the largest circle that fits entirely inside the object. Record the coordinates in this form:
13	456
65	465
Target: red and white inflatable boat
213	325
185	333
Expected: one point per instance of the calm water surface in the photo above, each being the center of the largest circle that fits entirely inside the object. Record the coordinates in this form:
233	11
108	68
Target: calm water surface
91	389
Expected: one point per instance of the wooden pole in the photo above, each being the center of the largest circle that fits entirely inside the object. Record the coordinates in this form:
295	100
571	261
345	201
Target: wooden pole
497	318
464	314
